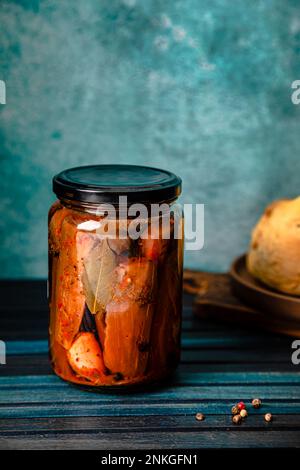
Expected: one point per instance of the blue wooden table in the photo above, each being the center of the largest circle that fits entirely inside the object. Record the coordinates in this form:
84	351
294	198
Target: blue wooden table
220	366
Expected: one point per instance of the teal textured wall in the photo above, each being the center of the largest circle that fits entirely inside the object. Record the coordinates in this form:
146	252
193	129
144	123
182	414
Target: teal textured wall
199	87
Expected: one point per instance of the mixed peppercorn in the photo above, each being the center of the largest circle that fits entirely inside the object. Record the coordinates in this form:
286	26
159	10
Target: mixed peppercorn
239	412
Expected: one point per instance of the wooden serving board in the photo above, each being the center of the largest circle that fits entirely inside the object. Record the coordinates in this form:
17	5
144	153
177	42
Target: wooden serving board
215	300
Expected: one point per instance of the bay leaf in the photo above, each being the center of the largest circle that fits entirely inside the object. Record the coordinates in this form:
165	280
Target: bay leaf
99	275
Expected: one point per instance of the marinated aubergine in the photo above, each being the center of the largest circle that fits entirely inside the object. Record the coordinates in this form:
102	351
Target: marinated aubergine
128	318
70	301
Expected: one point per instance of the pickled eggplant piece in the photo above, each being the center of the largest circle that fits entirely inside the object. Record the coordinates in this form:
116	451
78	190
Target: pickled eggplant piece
56	216
125	335
70	299
155	241
85	357
53	263
60	361
136	280
165	335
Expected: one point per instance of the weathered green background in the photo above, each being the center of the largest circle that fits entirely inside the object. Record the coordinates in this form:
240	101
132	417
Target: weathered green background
198	87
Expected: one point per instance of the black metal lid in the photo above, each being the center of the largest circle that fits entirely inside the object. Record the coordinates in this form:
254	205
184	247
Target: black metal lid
105	183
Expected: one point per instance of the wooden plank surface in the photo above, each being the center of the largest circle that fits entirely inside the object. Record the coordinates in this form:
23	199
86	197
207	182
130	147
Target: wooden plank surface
220	366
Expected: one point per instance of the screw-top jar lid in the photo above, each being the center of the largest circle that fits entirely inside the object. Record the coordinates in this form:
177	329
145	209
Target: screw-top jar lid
105	183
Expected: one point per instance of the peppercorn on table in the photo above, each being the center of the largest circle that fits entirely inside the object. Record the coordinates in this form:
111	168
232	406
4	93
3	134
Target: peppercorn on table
220	367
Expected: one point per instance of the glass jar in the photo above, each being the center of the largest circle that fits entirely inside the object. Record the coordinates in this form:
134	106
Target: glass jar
115	275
